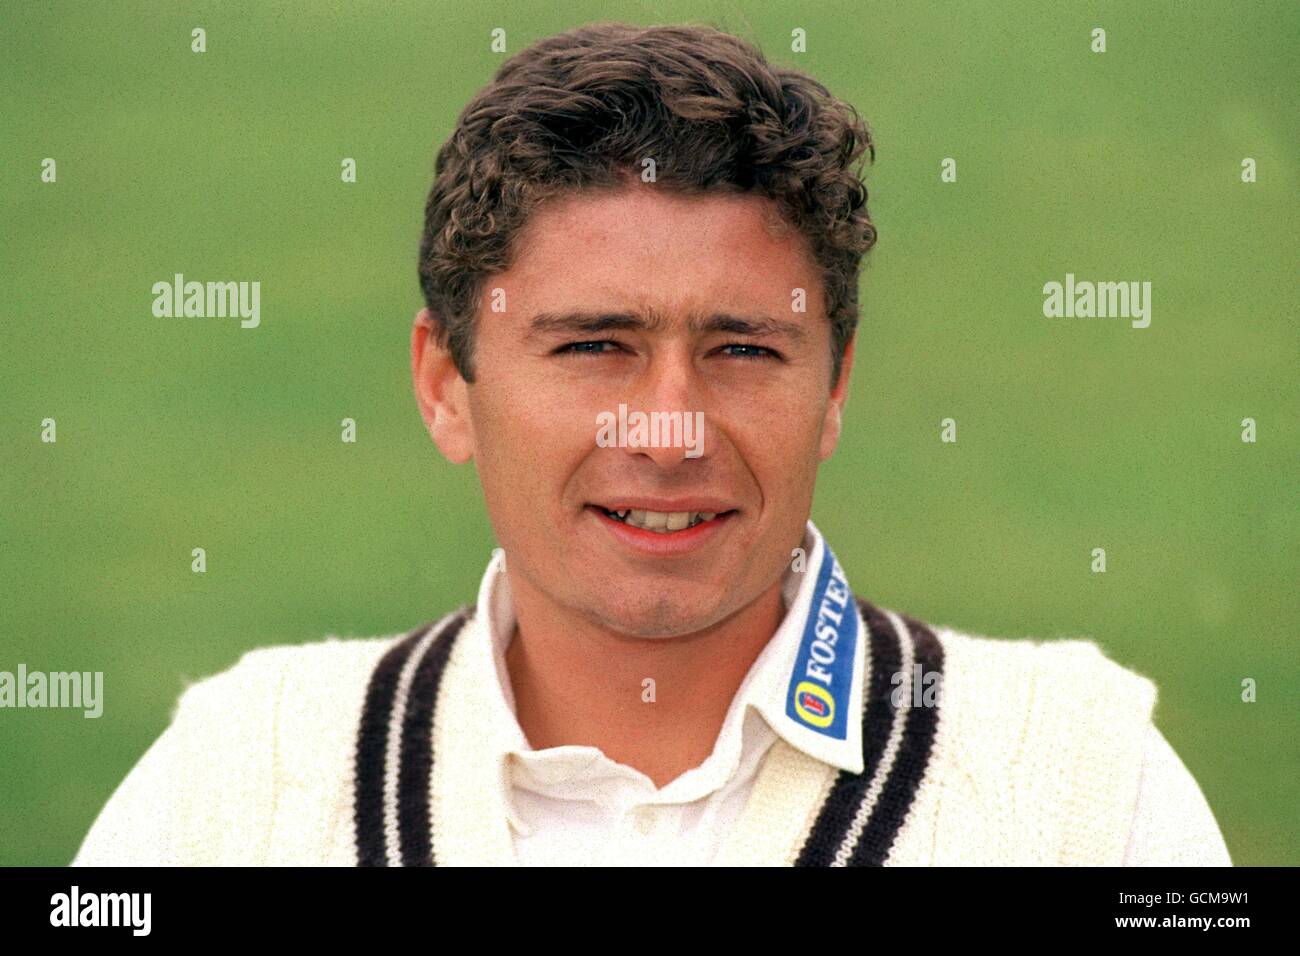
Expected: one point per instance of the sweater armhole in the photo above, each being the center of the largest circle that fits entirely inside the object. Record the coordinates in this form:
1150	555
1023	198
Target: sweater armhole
135	827
1173	824
1110	707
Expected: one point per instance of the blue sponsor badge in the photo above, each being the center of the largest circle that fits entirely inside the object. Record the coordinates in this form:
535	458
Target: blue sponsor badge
818	696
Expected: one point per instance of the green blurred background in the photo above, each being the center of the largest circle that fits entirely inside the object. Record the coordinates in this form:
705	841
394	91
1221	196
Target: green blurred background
1073	434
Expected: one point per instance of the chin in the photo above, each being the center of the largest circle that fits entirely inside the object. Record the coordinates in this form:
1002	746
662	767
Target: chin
656	616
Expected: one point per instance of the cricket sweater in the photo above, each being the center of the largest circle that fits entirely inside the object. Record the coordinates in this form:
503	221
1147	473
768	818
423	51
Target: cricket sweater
966	750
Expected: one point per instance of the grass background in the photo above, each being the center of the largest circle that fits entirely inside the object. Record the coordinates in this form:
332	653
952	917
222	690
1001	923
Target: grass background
177	433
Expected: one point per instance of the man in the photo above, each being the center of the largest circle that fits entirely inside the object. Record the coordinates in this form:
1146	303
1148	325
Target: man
640	265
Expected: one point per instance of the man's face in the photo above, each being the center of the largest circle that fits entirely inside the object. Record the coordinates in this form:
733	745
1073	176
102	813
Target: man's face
661	303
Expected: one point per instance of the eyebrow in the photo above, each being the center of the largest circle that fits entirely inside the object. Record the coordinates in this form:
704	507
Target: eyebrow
562	323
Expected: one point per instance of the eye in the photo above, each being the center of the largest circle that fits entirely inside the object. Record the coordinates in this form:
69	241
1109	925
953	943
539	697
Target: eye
746	351
586	348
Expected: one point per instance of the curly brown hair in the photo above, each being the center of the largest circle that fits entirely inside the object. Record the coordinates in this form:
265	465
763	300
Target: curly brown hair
581	109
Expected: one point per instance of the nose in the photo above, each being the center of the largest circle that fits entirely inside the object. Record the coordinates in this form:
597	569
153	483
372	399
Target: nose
669	397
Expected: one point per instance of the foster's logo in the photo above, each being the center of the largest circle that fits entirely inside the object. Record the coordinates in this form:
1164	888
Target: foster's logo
818	696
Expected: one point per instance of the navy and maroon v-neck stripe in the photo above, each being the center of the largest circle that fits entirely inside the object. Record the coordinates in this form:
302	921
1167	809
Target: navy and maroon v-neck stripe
856	825
394	748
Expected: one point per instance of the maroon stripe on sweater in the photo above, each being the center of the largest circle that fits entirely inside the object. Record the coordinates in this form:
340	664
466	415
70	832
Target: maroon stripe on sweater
911	762
372	747
414	773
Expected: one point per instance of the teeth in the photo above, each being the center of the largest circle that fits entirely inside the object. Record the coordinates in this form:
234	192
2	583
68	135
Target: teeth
662	521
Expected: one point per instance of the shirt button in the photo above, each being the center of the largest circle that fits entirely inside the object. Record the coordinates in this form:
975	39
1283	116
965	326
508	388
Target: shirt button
644	820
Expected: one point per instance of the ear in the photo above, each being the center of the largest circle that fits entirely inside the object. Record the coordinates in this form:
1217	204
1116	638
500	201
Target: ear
440	392
833	422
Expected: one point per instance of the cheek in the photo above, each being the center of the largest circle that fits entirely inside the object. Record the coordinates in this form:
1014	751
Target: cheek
779	449
529	449
774	428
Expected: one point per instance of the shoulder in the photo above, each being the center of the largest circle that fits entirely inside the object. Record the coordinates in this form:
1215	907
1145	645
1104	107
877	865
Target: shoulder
265	674
267	739
1037	752
1077	673
256	698
1063	701
287	709
1020	679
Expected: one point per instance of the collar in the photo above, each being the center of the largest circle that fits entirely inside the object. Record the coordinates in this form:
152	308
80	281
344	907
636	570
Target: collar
806	684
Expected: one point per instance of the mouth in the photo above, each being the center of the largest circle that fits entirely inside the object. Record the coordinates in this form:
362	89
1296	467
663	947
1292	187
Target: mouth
660	522
664	516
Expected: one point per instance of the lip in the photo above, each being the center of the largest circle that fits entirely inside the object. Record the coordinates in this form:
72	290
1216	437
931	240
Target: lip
653	544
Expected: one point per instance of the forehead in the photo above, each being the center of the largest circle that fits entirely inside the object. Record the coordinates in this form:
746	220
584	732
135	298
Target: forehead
649	246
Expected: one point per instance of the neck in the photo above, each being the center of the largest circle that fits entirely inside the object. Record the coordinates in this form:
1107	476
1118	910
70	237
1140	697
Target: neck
577	683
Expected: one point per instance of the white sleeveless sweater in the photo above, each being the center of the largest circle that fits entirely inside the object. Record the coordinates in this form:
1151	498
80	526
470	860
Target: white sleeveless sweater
365	751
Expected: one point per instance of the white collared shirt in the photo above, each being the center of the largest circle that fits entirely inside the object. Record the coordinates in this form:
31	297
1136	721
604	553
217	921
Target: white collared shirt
572	805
